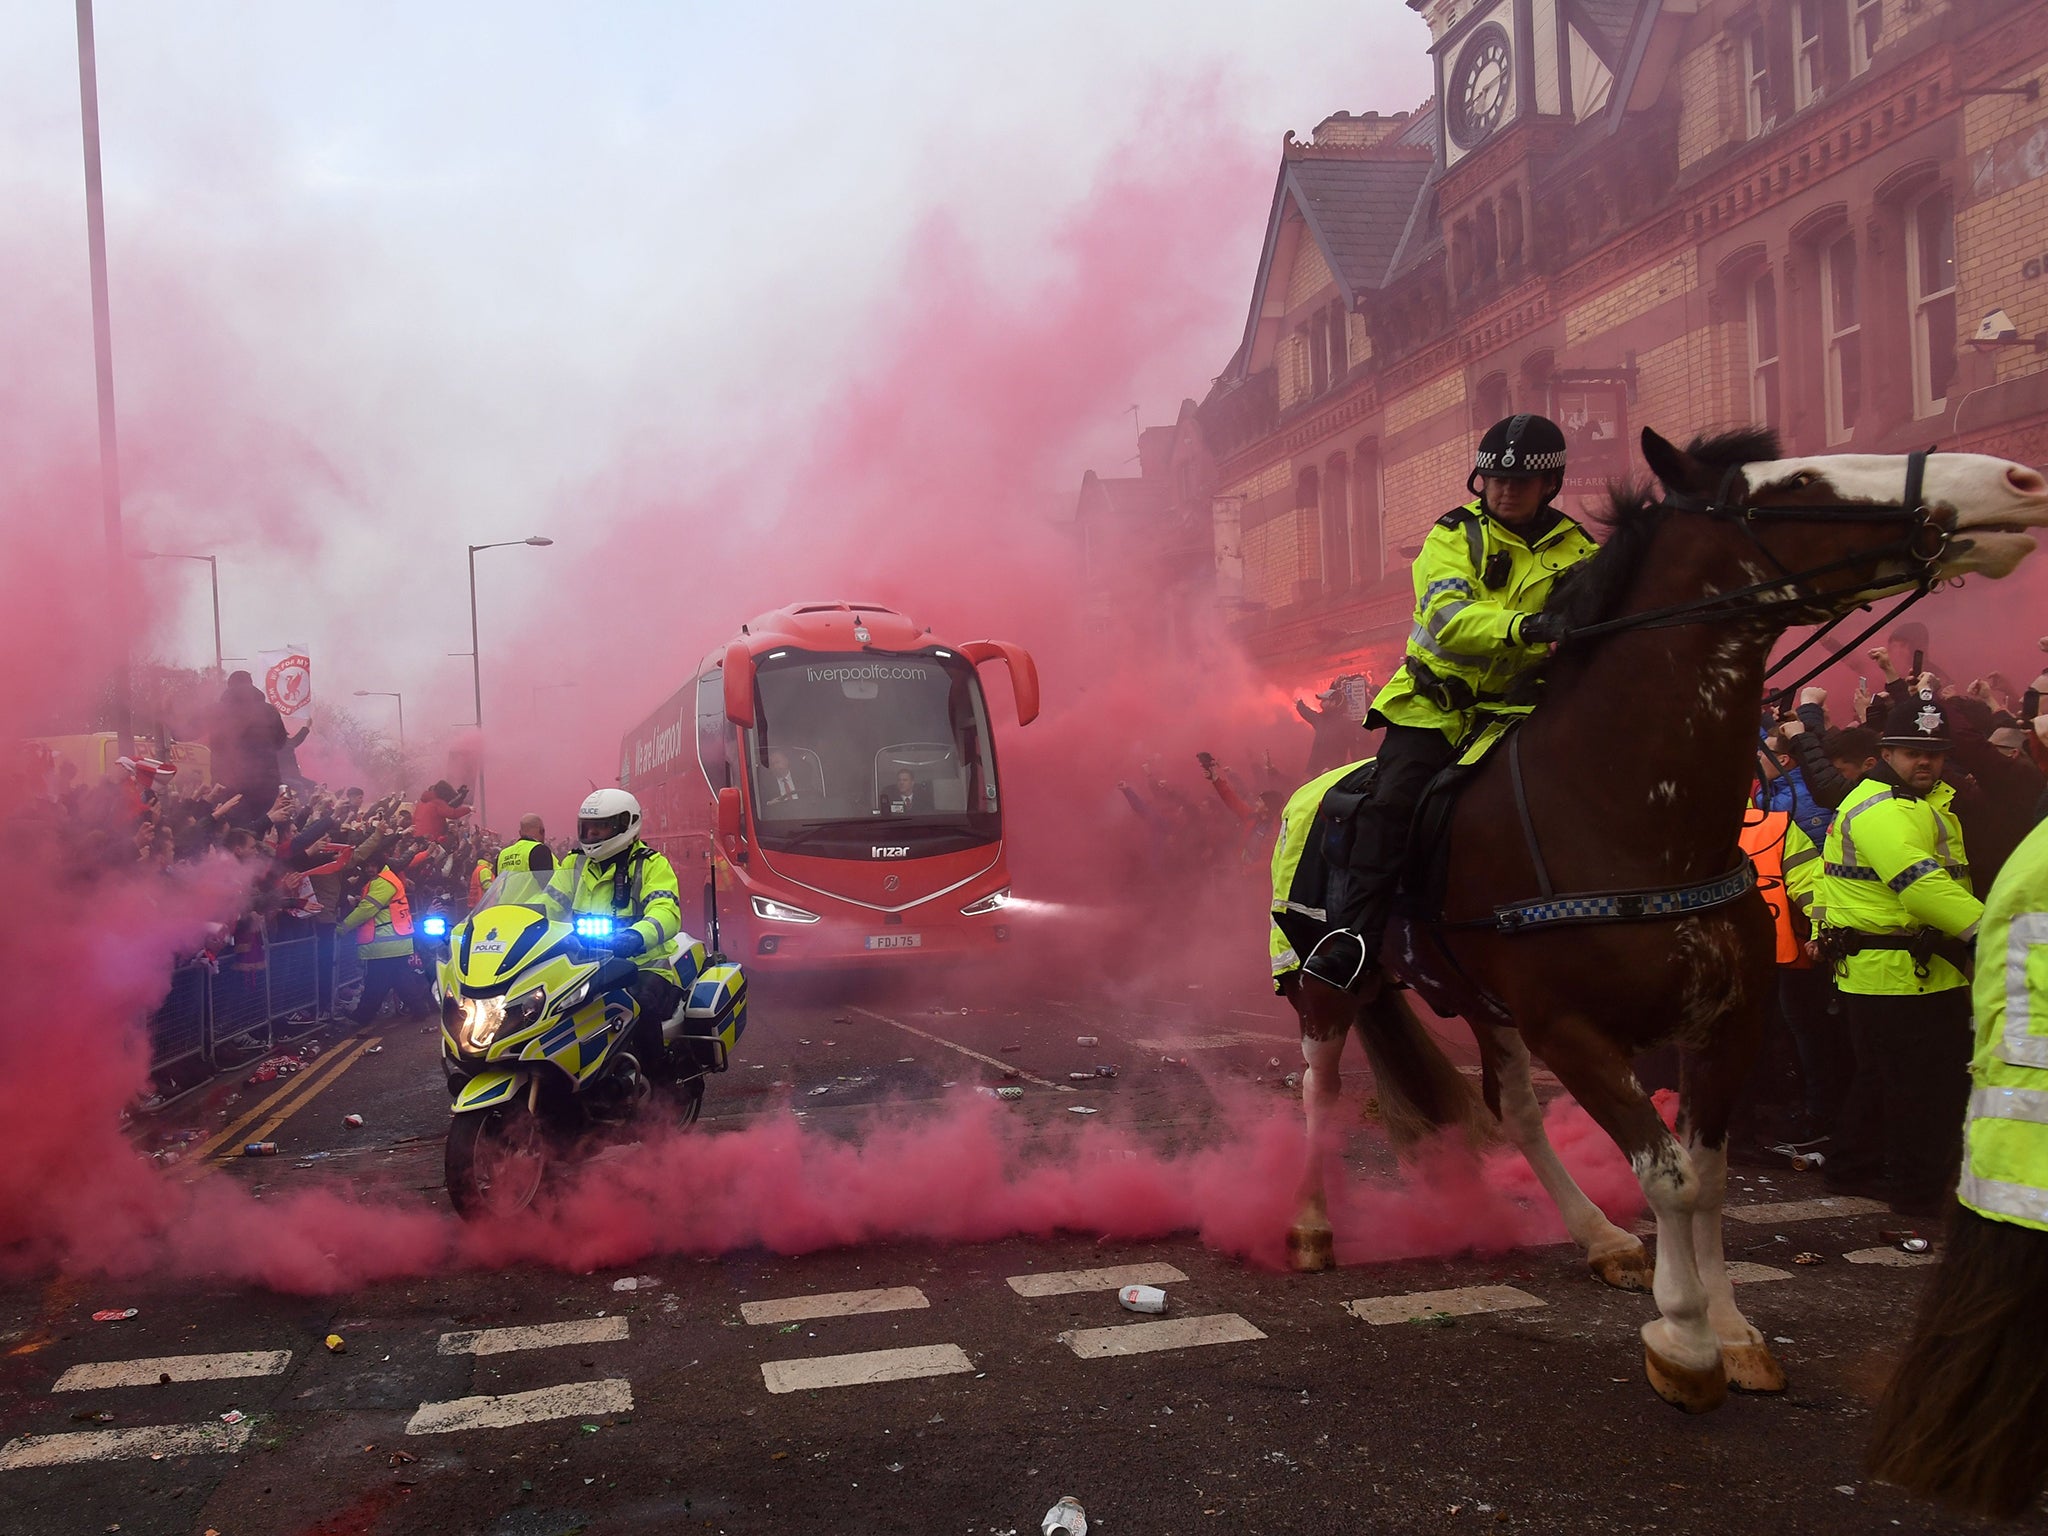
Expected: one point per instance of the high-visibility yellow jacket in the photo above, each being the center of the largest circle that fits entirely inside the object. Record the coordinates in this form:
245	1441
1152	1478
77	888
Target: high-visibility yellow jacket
1475	579
637	889
519	856
1296	897
1802	873
1894	863
2005	1157
382	919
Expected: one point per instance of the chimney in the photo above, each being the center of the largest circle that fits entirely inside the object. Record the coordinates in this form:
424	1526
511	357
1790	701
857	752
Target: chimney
1340	130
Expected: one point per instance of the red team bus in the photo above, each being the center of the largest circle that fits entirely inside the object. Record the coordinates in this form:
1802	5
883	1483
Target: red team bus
832	772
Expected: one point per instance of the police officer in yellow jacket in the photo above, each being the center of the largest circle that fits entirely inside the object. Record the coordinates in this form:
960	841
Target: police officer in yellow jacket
614	874
1480	584
382	924
1900	917
1963	1419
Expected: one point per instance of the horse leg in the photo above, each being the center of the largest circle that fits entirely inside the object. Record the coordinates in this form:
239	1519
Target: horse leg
1615	1256
1326	1017
1709	1085
1681	1355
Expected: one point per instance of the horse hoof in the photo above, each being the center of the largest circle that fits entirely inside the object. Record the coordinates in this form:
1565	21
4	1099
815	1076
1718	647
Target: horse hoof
1752	1368
1311	1248
1626	1269
1683	1386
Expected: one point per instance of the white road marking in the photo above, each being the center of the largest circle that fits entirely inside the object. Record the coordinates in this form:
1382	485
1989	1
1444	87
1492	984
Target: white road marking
1418	1305
148	1373
1212	1042
575	1399
1805	1210
1891	1258
795	1309
1754	1274
1170	1333
503	1341
1068	1281
123	1444
954	1045
868	1366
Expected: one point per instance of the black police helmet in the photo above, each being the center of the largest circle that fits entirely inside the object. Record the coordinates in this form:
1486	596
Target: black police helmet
1916	722
1516	447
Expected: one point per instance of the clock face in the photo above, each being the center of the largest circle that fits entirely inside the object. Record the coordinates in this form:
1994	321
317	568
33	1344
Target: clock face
1479	86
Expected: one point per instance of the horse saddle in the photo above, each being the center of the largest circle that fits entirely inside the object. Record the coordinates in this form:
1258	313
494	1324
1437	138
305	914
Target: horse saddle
1425	868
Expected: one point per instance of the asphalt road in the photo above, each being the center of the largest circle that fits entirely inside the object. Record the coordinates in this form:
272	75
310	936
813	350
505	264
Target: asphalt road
637	1399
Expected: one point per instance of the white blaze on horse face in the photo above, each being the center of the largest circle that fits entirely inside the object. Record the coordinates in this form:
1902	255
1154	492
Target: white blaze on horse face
1992	500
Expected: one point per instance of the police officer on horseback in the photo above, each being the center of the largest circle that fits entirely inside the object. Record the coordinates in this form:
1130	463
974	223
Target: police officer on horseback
1481	580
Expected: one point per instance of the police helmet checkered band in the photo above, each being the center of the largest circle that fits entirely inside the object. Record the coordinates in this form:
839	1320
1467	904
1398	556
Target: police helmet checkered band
1522	444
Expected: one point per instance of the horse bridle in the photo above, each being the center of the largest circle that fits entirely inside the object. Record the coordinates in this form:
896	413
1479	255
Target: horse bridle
1922	545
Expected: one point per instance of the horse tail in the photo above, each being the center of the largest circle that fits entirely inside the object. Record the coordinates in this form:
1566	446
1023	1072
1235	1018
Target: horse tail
1420	1091
1965	1419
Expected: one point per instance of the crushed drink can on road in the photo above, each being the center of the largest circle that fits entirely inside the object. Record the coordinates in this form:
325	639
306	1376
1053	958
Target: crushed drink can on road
1105	1071
1080	1077
115	1315
1080	1109
233	1416
1914	1245
1066	1518
1086	1040
259	1149
353	1122
1142	1298
1009	1093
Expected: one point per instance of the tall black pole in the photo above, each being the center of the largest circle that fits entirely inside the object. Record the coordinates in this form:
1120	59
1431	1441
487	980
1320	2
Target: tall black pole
103	360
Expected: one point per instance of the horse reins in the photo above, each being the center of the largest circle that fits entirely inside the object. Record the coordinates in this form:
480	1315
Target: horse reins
1758	599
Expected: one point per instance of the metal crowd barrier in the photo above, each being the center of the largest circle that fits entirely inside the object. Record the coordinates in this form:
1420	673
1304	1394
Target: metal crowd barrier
284	988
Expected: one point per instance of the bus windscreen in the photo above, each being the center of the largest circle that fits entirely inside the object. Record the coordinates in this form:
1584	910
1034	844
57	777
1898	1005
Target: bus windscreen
852	750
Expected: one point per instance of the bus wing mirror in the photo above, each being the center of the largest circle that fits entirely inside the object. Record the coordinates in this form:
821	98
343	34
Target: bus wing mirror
1023	672
739	685
731	822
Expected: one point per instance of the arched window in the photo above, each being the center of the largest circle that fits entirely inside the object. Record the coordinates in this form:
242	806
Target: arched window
1490	401
1368	543
1336	527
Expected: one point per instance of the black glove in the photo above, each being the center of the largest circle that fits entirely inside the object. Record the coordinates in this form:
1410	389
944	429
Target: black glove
1540	629
627	941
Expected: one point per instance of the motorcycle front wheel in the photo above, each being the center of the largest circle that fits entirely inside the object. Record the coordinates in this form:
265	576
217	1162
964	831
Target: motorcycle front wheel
497	1160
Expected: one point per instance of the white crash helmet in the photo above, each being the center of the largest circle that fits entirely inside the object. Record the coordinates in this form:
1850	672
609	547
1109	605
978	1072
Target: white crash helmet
607	823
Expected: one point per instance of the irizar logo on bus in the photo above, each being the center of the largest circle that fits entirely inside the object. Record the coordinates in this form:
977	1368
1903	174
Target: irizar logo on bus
882	851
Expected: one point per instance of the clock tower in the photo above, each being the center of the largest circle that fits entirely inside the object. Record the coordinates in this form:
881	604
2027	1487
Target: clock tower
1499	62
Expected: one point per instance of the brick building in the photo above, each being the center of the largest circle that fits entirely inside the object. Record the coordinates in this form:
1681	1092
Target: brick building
1680	213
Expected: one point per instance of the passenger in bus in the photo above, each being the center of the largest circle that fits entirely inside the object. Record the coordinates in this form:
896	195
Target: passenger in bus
907	794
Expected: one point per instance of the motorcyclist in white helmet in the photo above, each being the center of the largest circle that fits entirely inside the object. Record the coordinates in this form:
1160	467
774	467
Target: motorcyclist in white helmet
613	873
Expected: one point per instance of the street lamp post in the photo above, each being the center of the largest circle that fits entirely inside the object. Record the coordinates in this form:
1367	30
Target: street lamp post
213	571
476	669
103	352
379	693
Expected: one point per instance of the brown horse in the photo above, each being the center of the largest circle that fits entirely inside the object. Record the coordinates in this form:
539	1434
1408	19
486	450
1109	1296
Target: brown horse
1621	798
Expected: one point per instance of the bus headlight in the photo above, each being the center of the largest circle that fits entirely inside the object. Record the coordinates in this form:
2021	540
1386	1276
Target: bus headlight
782	911
995	901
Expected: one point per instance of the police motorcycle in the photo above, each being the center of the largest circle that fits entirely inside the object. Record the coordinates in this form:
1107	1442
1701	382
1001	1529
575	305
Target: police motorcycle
536	1019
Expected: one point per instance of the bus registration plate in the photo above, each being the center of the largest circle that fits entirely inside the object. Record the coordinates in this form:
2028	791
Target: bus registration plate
895	941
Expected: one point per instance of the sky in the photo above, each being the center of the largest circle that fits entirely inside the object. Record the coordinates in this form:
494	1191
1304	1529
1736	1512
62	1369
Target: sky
390	279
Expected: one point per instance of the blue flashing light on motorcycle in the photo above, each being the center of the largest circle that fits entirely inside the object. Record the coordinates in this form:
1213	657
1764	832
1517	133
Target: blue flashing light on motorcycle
593	927
434	926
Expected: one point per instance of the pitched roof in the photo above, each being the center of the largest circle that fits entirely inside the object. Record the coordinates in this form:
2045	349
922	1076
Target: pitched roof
1358	210
1607	24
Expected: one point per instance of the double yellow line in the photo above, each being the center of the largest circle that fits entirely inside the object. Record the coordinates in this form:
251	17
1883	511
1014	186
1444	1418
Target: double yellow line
274	1110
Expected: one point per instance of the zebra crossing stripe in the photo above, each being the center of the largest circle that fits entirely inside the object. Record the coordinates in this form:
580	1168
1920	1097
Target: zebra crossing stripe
1805	1210
1743	1273
150	1373
1068	1281
572	1400
1169	1333
504	1341
865	1368
1420	1305
123	1444
797	1309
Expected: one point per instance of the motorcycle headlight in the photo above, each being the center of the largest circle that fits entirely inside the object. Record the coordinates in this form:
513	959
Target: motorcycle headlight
995	901
782	911
574	998
483	1019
